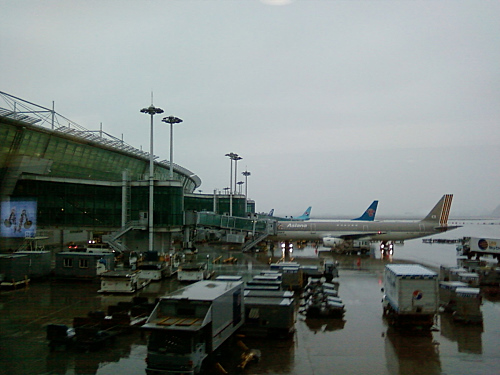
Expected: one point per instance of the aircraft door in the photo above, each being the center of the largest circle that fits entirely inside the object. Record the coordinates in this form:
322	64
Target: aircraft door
313	228
422	227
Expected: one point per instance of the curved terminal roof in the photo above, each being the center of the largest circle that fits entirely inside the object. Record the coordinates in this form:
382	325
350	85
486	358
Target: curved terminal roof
76	152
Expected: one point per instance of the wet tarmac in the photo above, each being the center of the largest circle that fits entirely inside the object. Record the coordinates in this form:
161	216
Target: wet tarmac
361	343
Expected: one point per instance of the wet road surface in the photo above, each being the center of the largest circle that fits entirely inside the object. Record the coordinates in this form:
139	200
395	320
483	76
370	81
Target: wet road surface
362	343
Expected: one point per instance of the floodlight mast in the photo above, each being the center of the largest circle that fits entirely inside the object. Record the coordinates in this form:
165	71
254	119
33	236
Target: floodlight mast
246	174
232	156
172	120
151	110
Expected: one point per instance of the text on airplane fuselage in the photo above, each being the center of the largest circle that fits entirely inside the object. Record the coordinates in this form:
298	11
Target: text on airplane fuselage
294	225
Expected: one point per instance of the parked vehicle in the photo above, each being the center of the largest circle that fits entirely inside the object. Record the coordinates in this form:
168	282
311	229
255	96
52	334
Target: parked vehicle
189	324
155	266
193	271
411	296
122	281
477	246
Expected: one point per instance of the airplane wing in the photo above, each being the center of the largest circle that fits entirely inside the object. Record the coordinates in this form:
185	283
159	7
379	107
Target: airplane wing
444	228
359	236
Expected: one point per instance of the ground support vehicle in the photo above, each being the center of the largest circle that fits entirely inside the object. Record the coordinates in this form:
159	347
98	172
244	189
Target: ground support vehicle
189	324
411	298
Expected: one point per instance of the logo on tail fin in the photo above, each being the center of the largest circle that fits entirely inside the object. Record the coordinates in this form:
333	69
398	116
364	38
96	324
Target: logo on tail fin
445	212
369	214
439	214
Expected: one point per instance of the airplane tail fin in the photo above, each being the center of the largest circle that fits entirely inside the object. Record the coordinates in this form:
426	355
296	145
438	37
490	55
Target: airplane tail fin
439	214
271	213
307	213
369	214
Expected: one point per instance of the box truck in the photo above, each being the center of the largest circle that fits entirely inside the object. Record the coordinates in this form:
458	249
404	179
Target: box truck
411	295
189	324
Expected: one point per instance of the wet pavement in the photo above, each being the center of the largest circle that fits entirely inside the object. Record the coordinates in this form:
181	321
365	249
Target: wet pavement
362	343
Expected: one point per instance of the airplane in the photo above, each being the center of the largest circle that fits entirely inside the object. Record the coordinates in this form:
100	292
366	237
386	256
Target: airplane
304	216
384	231
369	214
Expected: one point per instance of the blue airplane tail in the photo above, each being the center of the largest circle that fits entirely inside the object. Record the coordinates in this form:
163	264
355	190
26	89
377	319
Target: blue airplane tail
369	214
271	213
305	215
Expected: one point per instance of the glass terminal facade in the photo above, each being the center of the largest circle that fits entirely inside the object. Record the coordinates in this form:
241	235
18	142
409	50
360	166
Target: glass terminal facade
83	185
81	179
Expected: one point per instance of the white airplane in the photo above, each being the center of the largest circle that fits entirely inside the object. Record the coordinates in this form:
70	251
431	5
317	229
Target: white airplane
384	231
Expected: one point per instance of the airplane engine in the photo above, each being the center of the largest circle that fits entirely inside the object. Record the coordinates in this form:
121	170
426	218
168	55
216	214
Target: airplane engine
332	241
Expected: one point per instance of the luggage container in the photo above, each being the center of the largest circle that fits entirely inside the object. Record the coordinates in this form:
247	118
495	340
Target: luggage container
269	316
470	278
447	294
468	306
269	293
264	283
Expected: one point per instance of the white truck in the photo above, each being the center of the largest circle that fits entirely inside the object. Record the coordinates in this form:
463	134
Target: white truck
478	246
411	296
191	323
193	271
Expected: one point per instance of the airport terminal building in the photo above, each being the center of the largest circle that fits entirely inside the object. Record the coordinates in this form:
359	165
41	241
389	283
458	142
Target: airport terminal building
70	184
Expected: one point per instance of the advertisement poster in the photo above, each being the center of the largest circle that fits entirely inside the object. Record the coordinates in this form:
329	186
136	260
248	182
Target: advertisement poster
18	218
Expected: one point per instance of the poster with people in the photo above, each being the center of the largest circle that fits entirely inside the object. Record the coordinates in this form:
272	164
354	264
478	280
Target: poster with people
18	217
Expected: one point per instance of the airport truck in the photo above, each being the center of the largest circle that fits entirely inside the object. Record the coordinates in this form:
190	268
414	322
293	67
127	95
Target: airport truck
478	246
411	295
189	324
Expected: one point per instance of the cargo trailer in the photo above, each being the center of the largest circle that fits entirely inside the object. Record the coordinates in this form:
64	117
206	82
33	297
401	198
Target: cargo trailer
411	296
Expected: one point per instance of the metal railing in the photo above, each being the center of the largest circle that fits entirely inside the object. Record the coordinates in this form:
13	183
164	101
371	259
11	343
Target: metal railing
36	115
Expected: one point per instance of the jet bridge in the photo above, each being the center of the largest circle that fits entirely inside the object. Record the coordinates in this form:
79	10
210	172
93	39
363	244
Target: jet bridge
260	228
210	219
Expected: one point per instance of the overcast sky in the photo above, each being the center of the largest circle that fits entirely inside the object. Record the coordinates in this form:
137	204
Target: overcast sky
331	104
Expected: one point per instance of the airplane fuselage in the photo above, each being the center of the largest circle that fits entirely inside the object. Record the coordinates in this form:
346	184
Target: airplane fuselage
372	231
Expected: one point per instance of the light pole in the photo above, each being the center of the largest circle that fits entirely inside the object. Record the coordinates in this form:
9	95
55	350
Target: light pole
239	186
236	158
151	110
231	157
246	174
172	120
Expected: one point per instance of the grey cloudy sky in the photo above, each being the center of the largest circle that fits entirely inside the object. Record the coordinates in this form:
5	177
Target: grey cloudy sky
331	104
